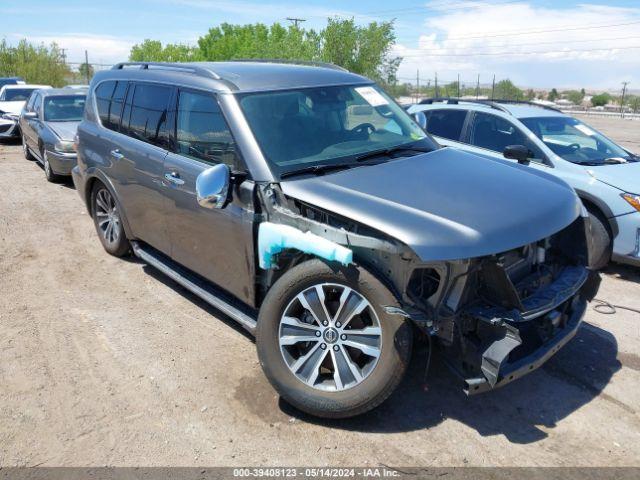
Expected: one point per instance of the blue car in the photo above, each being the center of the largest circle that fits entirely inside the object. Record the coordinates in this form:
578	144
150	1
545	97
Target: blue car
605	176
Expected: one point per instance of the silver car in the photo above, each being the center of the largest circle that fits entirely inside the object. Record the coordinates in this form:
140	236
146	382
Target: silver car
48	123
605	175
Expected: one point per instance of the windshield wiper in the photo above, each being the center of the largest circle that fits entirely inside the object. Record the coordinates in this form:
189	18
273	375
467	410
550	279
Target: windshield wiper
388	152
317	169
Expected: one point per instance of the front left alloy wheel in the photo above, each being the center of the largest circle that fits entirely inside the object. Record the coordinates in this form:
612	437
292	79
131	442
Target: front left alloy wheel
325	342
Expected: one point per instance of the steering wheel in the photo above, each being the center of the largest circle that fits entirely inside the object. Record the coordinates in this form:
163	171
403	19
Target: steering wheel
364	128
574	146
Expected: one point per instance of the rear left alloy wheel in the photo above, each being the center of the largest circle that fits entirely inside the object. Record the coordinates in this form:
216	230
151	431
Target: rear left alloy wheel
108	222
325	343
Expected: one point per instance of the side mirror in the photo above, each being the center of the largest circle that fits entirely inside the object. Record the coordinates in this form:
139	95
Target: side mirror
518	152
30	115
421	119
212	186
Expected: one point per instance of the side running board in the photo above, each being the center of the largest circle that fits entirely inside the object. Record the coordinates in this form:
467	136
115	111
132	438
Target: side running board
204	290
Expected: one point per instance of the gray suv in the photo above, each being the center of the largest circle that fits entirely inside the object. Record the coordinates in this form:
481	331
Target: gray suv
303	202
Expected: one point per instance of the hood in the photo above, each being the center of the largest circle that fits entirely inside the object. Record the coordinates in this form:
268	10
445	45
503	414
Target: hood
625	176
64	130
446	204
12	107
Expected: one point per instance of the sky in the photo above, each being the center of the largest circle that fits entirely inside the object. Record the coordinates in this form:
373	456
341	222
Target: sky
536	43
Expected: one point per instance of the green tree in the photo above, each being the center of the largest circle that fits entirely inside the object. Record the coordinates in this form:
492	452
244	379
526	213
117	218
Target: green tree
363	50
154	51
360	49
228	42
600	100
506	90
35	63
553	95
575	96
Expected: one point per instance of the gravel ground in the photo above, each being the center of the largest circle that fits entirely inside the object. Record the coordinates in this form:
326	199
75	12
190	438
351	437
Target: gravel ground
105	362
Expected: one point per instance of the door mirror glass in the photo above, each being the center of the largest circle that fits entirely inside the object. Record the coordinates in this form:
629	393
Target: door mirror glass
30	115
212	186
421	119
519	153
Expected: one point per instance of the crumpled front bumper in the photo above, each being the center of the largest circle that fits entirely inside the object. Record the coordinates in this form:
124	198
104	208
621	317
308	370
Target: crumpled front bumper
516	348
9	128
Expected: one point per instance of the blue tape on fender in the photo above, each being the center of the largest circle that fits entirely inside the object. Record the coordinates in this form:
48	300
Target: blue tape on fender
274	238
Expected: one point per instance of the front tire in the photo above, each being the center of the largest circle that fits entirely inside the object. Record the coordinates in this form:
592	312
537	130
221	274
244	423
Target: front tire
25	149
48	171
602	242
108	222
325	343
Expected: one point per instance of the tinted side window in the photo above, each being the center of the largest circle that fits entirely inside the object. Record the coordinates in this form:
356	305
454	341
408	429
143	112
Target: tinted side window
115	107
446	123
202	131
495	133
103	93
149	112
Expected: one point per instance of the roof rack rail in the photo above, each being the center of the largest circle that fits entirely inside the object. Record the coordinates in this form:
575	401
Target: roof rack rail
527	102
456	101
180	67
308	63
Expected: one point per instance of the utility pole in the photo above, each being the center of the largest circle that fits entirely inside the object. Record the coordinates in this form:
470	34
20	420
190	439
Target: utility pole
63	55
458	85
295	21
437	95
478	88
417	85
624	90
86	64
493	86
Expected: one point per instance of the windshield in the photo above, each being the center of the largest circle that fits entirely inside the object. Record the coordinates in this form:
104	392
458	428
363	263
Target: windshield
325	126
68	108
16	94
576	142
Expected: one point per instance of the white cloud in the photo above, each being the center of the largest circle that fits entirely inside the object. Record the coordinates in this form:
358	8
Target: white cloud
458	41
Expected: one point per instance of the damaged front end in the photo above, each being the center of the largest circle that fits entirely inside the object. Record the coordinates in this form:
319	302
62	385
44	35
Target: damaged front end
499	317
495	317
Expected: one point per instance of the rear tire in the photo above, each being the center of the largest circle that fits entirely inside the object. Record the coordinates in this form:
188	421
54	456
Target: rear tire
108	222
326	385
602	242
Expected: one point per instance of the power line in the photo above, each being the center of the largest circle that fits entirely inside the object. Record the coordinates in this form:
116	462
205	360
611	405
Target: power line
426	54
532	32
551	43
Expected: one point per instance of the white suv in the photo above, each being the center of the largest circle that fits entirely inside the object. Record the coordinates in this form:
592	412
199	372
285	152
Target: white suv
605	176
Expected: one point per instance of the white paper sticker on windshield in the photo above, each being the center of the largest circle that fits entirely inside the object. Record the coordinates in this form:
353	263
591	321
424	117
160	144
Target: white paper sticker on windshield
372	96
584	129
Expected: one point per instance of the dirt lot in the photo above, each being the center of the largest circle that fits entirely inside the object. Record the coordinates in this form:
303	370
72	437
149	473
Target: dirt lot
105	362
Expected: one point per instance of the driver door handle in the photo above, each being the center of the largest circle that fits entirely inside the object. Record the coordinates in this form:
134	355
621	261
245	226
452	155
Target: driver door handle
174	177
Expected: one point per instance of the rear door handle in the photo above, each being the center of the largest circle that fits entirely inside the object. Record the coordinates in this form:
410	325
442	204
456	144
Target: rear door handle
174	177
116	154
